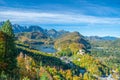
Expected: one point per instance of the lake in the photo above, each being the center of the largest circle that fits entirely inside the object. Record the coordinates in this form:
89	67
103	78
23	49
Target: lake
45	48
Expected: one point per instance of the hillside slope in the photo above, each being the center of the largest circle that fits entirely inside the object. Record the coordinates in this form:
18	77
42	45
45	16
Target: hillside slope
73	37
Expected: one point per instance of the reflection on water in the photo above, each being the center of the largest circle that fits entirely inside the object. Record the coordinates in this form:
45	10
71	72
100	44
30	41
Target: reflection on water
45	48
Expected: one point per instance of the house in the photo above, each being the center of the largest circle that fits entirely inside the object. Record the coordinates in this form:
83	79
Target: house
81	51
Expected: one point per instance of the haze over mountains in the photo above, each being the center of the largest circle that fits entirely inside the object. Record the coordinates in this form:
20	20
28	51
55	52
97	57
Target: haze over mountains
52	32
35	28
97	38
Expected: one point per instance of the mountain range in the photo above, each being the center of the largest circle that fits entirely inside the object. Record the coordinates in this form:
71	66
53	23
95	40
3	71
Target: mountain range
37	29
53	33
97	38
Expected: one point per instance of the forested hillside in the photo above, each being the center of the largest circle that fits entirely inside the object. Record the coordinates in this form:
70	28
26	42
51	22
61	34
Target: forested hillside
108	52
72	43
19	60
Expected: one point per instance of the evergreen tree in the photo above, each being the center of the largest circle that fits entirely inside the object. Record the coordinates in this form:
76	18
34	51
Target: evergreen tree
10	50
2	50
7	28
2	44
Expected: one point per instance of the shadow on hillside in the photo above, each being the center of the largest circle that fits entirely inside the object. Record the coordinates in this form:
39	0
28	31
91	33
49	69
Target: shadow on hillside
52	61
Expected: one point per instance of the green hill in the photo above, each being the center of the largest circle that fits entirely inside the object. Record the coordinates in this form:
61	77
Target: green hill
70	38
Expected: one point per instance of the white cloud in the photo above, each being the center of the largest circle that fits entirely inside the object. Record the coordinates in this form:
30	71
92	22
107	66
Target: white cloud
41	17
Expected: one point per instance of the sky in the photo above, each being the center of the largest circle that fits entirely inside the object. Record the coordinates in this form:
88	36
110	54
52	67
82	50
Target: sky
89	17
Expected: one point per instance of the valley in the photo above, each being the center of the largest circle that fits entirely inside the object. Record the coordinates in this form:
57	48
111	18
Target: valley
60	55
59	39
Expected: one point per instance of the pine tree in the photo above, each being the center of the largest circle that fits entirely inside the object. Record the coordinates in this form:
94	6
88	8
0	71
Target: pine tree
2	44
2	51
10	50
7	28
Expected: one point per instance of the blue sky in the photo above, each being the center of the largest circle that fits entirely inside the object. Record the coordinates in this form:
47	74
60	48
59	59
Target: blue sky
89	17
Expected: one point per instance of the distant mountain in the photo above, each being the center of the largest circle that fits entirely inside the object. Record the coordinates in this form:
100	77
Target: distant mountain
61	32
53	33
56	34
35	28
97	38
109	38
32	35
18	28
